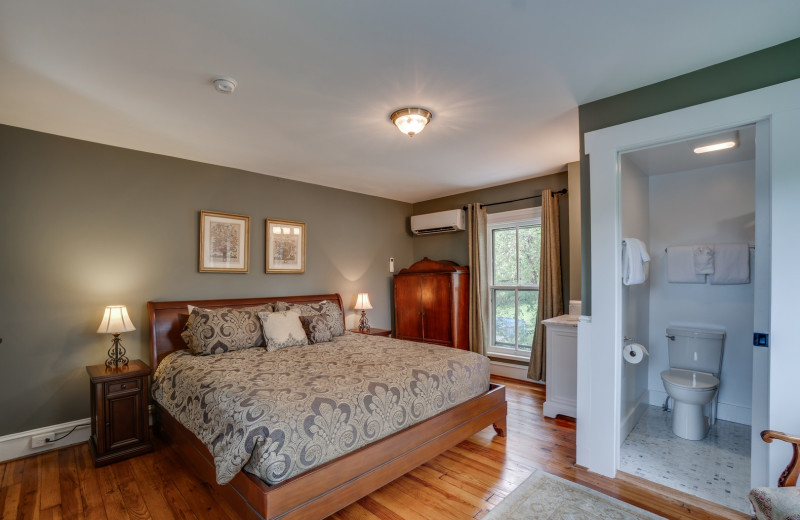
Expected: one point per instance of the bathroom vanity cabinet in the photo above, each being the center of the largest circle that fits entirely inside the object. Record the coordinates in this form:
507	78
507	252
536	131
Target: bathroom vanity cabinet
561	366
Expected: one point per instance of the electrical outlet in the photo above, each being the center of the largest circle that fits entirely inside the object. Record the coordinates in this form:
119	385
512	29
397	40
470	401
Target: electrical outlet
37	441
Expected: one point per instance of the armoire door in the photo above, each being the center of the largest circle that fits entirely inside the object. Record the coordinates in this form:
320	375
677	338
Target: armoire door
408	310
436	308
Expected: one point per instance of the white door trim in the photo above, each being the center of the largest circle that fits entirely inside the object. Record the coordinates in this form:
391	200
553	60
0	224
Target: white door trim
598	421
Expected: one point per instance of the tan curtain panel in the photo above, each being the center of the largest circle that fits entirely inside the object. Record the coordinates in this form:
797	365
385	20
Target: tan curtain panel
550	301
478	280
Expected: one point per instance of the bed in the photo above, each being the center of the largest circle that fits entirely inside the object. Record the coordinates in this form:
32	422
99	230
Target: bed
326	488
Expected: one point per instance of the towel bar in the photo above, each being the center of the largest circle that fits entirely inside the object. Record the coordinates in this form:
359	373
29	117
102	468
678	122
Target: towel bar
751	247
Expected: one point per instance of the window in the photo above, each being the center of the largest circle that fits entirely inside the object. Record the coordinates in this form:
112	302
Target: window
513	246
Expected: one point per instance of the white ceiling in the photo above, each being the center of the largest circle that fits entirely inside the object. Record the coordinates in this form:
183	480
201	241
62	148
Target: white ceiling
680	156
317	80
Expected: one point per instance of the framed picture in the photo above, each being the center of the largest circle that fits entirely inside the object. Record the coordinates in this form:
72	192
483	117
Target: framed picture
286	246
224	243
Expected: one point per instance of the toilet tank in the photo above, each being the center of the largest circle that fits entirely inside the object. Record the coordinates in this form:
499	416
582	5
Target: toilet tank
696	349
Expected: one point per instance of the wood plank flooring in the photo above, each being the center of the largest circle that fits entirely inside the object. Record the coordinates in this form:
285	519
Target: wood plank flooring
462	483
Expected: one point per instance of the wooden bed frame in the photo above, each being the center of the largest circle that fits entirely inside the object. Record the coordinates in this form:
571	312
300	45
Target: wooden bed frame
334	485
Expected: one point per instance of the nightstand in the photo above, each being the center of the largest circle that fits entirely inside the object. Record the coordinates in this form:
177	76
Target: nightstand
374	332
119	397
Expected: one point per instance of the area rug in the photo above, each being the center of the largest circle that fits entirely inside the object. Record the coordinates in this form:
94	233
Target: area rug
544	496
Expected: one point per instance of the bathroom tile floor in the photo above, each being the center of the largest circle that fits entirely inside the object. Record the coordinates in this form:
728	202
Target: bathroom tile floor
716	468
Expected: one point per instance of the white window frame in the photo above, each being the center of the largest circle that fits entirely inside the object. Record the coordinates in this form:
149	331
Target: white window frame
517	218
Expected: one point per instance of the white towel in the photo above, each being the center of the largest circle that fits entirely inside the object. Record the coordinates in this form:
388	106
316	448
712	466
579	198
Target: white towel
704	259
680	265
634	259
731	264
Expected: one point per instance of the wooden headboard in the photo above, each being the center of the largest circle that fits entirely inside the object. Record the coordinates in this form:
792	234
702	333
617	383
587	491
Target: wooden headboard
168	318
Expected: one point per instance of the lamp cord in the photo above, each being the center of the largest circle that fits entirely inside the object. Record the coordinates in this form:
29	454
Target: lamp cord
63	436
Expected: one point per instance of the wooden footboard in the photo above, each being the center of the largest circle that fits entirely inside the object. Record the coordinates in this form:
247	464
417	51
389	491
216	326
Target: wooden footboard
330	487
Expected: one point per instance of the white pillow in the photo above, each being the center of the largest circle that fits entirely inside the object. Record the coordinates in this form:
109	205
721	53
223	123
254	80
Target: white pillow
282	329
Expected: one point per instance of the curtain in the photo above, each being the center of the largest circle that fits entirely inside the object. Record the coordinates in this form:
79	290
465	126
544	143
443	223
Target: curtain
478	279
550	300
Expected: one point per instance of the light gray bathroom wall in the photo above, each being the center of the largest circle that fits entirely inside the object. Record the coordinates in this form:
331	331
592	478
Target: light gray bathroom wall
709	205
635	223
87	225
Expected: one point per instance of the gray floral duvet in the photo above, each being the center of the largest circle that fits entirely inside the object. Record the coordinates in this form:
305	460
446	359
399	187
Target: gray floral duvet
278	414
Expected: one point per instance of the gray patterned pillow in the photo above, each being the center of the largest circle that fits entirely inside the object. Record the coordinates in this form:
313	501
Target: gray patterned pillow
334	319
316	328
214	331
282	329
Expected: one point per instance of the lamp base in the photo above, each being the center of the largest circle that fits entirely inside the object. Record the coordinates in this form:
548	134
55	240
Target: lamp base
116	354
363	323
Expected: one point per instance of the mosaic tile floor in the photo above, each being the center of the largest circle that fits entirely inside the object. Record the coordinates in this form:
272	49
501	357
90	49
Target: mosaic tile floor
716	468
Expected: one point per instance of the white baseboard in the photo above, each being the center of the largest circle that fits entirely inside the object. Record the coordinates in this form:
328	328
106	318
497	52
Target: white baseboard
725	411
511	371
633	416
18	445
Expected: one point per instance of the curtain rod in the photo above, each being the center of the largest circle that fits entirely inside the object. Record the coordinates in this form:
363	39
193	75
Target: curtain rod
559	192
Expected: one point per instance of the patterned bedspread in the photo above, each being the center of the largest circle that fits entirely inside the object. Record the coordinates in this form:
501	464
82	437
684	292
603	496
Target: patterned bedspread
277	414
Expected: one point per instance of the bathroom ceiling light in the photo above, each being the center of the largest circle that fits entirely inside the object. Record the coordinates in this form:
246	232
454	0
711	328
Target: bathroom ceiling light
716	142
225	85
411	121
714	147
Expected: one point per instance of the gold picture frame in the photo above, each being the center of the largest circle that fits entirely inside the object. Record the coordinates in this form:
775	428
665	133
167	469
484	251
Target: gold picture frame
286	246
224	243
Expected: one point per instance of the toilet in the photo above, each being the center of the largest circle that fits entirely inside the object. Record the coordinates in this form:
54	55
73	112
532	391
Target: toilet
692	381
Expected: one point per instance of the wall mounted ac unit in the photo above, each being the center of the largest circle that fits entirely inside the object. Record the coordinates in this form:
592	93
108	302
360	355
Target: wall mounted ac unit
440	222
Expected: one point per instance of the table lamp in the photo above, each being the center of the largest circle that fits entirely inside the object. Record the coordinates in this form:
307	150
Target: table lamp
362	303
115	321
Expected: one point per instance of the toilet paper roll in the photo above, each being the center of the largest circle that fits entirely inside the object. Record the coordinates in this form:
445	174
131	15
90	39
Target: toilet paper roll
634	353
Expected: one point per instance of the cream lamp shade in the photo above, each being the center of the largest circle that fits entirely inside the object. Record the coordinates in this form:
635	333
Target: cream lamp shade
362	302
115	320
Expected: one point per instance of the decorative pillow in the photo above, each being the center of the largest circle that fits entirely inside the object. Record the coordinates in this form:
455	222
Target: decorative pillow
334	319
316	328
282	329
214	331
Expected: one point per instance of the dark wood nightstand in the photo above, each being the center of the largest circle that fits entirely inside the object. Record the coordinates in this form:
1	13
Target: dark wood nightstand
374	332
119	397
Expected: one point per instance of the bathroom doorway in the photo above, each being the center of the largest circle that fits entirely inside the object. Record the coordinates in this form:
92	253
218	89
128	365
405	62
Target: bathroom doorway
775	111
677	200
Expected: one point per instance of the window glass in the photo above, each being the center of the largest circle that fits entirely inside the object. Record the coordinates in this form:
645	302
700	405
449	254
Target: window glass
515	245
505	256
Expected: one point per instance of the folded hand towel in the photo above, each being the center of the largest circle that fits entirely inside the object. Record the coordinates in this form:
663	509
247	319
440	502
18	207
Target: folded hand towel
680	265
704	259
731	264
634	258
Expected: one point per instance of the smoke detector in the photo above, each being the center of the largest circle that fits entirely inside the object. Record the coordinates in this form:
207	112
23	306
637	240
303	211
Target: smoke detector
225	84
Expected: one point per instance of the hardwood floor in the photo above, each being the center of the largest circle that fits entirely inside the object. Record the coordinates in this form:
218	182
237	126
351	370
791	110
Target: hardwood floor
462	483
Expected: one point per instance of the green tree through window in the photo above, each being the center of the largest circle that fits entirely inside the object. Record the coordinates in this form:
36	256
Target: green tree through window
515	245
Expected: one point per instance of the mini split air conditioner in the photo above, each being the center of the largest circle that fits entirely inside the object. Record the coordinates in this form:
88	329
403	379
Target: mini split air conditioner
441	222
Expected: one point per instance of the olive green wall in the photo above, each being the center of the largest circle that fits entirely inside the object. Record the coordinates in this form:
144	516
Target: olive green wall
454	246
749	72
87	225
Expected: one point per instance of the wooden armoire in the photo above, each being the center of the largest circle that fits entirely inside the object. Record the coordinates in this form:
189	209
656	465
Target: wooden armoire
431	303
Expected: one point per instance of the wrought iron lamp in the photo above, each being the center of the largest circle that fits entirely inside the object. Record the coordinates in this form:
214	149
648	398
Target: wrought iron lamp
362	304
116	321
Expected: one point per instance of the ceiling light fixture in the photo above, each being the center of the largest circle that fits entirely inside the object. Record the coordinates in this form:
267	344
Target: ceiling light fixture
411	121
716	142
225	85
714	147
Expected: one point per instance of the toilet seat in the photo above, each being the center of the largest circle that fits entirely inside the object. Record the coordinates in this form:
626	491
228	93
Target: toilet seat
684	379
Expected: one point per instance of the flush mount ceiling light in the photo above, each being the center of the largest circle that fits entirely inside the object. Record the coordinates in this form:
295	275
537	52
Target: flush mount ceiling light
716	142
225	85
411	121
